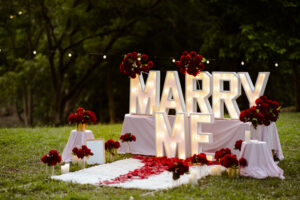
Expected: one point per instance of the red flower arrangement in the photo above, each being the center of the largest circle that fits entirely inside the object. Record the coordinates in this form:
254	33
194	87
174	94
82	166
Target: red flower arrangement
190	63
111	144
200	158
238	145
83	152
221	153
134	63
178	168
82	116
265	112
128	137
52	158
229	161
243	162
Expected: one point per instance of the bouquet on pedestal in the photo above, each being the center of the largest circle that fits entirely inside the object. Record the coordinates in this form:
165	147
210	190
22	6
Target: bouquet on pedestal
128	137
81	117
190	63
134	63
51	159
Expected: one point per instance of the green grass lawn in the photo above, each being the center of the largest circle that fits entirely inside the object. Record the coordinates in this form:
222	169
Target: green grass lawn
22	175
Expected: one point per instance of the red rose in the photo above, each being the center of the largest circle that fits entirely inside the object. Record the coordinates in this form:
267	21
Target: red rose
117	144
144	57
238	144
133	138
84	147
150	64
264	98
44	159
74	150
243	162
80	153
202	158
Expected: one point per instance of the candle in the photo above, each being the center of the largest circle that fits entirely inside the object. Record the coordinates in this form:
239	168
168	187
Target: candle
75	159
247	135
65	168
218	170
214	171
193	177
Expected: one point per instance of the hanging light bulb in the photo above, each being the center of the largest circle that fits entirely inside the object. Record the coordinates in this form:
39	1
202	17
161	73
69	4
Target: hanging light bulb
207	61
34	52
20	12
104	56
276	65
0	50
11	17
70	55
139	58
173	60
242	63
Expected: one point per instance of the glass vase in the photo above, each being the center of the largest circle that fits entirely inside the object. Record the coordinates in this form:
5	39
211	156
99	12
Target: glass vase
128	150
81	163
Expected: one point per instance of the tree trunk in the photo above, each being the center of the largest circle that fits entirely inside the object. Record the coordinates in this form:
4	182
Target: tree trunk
110	95
27	105
296	80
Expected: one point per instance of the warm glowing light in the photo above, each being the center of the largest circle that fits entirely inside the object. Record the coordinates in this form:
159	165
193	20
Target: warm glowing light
20	12
70	55
144	98
173	60
104	57
11	17
276	65
254	92
207	62
242	63
34	52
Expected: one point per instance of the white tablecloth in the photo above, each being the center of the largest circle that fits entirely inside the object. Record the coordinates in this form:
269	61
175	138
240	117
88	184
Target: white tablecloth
260	161
77	138
225	133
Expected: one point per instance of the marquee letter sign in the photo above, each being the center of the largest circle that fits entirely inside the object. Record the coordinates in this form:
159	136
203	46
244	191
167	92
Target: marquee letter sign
144	98
170	137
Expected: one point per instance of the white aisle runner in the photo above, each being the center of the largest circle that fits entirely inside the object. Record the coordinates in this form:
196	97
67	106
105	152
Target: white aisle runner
94	175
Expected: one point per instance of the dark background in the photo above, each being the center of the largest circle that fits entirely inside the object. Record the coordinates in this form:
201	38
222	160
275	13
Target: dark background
40	83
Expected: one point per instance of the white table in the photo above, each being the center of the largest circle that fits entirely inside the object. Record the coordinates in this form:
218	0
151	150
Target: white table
225	133
260	161
76	139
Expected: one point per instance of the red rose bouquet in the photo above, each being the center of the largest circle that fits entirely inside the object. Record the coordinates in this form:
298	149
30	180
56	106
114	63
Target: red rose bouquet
265	112
134	63
178	168
238	145
191	63
83	152
110	145
243	162
229	161
198	159
221	153
128	137
82	116
52	158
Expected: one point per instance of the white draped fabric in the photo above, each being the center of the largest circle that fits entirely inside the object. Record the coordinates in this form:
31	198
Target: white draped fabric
225	133
260	161
76	139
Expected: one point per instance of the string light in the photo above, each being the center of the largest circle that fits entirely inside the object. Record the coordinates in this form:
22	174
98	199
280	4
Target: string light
20	12
11	17
207	61
276	64
173	60
242	63
70	55
0	50
139	59
104	57
34	52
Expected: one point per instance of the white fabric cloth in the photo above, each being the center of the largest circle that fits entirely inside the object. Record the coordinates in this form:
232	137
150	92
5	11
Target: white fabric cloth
225	133
94	175
77	138
260	161
269	135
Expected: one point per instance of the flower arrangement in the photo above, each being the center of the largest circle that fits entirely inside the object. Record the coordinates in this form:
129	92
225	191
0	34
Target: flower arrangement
178	168
110	145
243	162
221	153
238	145
52	158
191	63
84	151
229	161
128	137
265	112
134	63
82	116
198	159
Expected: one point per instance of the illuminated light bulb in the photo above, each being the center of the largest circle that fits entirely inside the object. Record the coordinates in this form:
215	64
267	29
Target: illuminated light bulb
166	91
151	84
276	64
207	61
145	101
139	59
242	63
104	57
173	104
70	55
173	60
34	52
20	12
0	50
11	17
133	90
